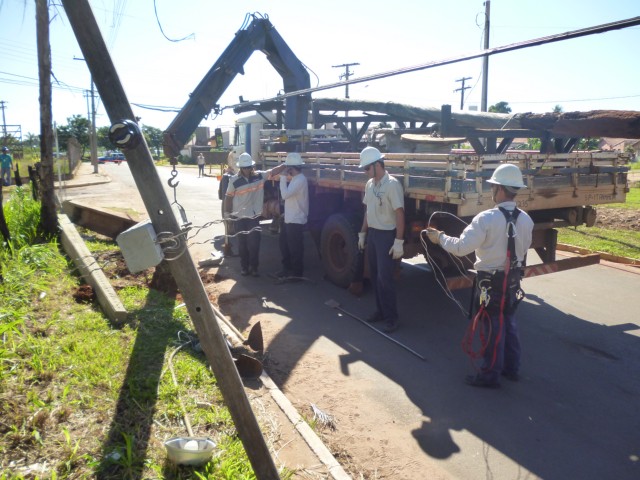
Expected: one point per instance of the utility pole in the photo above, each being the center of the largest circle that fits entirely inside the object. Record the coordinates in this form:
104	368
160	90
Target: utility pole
485	59
346	75
4	122
461	90
93	140
48	212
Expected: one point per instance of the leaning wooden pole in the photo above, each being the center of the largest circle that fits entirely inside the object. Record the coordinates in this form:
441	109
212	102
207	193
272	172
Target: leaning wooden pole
159	209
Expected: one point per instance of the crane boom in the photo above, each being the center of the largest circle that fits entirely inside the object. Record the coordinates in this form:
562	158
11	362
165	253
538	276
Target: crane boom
261	35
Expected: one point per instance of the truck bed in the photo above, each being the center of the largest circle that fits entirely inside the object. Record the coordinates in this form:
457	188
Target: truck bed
554	181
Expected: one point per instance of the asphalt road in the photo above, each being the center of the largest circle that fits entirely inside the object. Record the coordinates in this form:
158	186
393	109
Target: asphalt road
574	414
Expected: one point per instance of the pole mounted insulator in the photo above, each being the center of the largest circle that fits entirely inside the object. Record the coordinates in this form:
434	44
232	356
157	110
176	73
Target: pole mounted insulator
125	134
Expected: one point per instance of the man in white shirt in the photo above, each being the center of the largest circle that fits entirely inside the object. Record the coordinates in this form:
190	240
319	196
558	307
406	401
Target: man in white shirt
294	190
500	238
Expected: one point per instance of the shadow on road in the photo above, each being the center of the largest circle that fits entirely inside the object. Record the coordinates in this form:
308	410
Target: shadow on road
574	414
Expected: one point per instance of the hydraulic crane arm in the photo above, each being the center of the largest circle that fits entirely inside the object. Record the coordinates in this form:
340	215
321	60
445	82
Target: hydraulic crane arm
261	35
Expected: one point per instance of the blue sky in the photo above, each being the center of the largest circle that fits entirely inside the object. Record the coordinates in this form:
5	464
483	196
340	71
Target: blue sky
596	72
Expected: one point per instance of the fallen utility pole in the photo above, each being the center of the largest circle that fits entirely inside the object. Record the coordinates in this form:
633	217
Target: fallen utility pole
157	204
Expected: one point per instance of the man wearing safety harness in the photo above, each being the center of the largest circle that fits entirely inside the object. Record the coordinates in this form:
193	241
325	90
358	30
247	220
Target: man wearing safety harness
500	238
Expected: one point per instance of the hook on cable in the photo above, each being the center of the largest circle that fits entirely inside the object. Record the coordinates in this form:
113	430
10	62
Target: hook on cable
174	174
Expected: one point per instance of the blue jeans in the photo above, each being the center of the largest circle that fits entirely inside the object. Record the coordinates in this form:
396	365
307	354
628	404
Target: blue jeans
292	247
6	176
248	244
503	348
381	268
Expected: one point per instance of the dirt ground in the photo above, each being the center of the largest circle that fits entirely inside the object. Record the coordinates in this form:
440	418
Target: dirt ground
347	433
618	219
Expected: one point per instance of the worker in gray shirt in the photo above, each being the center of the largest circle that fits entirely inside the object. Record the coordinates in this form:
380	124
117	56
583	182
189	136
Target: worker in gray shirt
383	234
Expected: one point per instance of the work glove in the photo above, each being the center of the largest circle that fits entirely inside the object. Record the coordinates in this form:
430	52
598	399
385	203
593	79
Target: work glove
397	250
434	235
362	238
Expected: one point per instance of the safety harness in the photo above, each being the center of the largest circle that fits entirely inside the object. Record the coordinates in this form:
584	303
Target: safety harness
504	283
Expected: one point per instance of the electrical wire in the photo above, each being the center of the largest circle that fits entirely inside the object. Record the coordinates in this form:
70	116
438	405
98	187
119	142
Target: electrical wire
155	10
438	273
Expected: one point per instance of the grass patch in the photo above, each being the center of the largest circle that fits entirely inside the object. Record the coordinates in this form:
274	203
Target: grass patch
619	242
632	201
622	243
82	398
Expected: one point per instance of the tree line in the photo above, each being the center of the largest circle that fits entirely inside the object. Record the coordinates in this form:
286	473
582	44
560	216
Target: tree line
80	127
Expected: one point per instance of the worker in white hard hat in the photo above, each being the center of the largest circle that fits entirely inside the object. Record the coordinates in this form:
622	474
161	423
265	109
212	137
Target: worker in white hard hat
294	190
383	234
243	203
6	164
500	238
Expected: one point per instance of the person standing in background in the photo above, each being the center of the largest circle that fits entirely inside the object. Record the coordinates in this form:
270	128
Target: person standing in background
6	165
200	165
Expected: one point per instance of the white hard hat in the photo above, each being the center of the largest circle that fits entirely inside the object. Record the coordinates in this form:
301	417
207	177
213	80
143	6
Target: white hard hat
369	155
507	175
293	160
245	161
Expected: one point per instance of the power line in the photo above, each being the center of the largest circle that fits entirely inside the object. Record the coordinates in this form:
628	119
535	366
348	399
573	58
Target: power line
155	10
578	100
492	51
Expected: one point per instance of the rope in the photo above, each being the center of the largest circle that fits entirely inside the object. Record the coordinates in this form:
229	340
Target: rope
185	417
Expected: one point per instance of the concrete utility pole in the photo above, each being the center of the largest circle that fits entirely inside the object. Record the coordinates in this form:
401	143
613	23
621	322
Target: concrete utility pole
485	59
346	75
4	122
93	140
461	90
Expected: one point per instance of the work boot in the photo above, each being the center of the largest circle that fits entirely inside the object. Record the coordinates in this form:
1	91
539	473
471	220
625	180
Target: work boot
284	273
511	376
478	381
244	272
375	317
390	327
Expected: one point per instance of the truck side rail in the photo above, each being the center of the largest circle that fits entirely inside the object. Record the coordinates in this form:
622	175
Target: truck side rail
553	180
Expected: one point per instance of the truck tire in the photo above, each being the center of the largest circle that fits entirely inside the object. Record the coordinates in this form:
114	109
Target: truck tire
339	249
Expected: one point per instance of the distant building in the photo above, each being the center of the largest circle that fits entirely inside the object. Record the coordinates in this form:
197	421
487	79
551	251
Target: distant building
621	145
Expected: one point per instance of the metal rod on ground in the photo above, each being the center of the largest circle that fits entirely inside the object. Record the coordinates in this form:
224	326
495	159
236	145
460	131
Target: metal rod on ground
255	339
336	305
164	222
